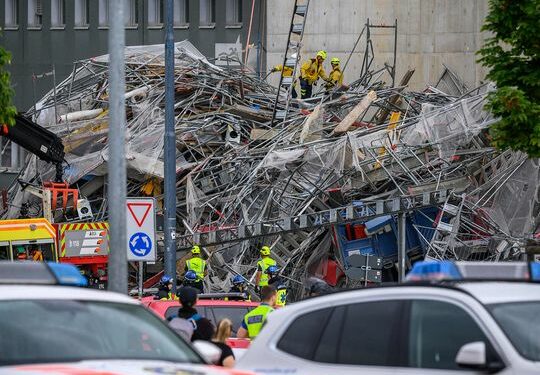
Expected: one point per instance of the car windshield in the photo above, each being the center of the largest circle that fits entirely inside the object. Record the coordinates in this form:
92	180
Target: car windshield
40	331
521	323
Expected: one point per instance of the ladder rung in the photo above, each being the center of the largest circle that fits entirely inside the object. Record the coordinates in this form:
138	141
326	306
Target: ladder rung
301	10
297	28
287	81
290	62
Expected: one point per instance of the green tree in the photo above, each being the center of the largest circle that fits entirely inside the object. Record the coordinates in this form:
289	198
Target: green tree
7	109
512	54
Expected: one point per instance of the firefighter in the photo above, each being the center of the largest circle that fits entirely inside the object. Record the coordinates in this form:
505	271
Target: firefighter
277	282
21	253
37	254
165	289
287	72
197	265
255	319
261	279
239	286
190	279
335	78
310	72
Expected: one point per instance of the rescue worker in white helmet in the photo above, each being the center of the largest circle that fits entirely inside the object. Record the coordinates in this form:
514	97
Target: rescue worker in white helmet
310	71
278	283
197	265
261	278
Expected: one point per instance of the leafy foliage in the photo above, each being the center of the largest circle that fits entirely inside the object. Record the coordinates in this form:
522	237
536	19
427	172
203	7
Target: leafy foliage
7	109
513	55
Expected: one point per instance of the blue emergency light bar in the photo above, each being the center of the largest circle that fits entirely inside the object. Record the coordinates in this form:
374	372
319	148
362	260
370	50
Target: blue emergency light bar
455	271
40	273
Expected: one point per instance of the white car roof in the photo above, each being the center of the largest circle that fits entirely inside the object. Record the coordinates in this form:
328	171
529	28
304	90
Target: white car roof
42	292
485	292
502	292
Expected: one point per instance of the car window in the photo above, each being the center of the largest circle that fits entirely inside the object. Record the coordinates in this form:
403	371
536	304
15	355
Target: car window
172	312
521	323
69	331
304	333
371	334
234	313
327	347
437	331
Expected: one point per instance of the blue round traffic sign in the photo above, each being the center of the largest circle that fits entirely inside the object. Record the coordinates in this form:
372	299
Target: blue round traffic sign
140	244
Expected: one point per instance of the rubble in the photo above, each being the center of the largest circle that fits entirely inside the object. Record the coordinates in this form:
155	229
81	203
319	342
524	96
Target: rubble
329	182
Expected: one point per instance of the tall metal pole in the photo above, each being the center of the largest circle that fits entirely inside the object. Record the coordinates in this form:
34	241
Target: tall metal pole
169	227
116	190
402	245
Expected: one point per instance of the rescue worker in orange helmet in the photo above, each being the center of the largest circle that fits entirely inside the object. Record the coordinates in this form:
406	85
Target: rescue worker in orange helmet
310	71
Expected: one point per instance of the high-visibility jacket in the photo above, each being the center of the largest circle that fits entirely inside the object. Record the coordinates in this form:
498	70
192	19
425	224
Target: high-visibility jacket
311	71
287	71
197	265
170	297
281	299
255	319
336	76
263	265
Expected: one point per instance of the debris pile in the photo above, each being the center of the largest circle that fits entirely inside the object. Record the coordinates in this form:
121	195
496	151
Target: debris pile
330	181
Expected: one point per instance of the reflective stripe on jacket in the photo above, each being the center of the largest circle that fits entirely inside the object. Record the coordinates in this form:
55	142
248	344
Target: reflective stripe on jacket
255	319
196	265
263	264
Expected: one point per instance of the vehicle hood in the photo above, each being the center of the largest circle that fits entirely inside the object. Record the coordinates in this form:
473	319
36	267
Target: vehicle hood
119	367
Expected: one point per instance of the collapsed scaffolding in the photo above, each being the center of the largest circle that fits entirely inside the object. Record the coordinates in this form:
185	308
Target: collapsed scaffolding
329	182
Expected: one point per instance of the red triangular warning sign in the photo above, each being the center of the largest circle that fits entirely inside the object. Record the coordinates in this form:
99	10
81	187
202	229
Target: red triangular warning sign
139	211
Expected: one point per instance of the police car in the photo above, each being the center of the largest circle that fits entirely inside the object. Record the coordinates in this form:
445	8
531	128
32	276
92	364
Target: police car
49	325
447	318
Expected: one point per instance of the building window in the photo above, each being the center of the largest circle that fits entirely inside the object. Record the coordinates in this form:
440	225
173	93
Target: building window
11	13
207	12
57	13
35	13
155	12
131	15
234	12
81	12
103	13
181	12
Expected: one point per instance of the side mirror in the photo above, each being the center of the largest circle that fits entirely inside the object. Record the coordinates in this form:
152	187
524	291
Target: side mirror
208	351
472	355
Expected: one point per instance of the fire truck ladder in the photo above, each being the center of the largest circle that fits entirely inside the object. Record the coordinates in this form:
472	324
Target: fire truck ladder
311	221
291	57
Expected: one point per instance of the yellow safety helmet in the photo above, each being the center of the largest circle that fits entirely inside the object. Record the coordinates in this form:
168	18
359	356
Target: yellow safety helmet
265	250
334	60
195	250
322	54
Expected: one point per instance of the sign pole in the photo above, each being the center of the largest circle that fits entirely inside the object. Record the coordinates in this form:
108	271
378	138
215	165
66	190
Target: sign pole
169	225
116	189
141	275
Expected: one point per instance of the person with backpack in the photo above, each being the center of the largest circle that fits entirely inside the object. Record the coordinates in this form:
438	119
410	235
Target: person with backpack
189	324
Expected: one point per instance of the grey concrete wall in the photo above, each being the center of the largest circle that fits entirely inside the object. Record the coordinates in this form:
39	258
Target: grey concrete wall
35	51
430	33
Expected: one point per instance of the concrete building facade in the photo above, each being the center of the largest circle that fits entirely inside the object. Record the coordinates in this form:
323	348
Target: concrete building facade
430	33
